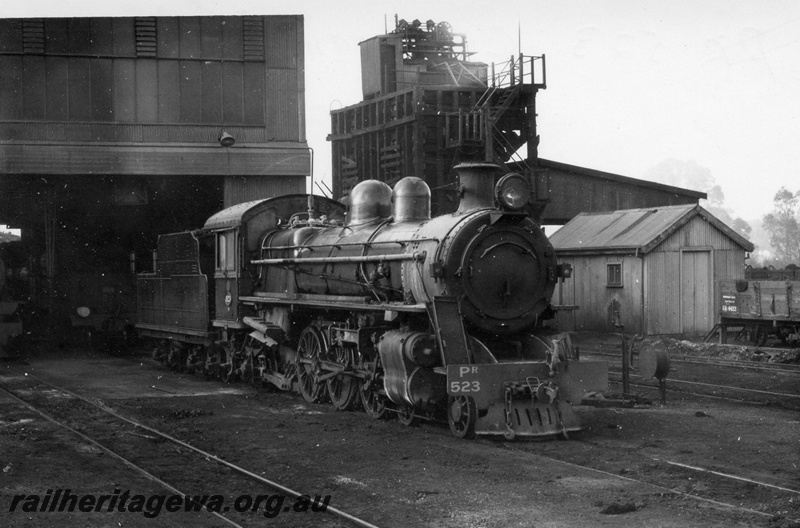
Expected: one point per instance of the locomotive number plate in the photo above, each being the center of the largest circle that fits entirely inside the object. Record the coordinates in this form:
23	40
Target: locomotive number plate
484	382
463	379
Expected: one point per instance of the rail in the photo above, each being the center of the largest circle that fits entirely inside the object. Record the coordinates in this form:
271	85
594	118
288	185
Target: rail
164	436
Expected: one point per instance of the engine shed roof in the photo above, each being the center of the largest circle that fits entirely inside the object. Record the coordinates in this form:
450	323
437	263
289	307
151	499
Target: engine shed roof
573	190
633	230
619	179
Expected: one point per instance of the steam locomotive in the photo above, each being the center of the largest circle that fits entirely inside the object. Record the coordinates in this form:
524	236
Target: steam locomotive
378	305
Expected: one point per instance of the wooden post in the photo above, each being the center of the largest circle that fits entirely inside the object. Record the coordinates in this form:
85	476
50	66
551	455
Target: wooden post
627	345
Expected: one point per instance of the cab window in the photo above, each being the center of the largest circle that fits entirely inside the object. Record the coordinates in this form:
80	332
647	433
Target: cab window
226	251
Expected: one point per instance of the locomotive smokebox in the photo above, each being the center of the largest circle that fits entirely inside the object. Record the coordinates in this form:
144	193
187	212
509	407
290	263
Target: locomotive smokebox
412	200
476	185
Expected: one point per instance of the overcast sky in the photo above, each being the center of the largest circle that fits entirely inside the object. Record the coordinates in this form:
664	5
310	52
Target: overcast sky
629	83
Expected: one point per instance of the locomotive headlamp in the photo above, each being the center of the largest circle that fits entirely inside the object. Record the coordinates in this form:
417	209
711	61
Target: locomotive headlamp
513	191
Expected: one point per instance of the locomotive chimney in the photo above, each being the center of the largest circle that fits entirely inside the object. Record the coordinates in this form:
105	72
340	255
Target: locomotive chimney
476	185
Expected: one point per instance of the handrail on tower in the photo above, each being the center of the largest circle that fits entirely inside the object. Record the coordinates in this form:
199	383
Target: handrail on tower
513	72
505	82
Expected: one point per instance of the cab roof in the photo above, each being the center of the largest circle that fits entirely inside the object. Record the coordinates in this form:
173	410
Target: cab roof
283	206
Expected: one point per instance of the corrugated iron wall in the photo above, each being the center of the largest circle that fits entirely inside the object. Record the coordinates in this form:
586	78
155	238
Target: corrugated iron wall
599	306
285	110
372	55
198	70
573	193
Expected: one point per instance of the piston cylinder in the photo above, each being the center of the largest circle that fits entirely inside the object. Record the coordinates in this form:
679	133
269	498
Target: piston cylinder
406	382
421	350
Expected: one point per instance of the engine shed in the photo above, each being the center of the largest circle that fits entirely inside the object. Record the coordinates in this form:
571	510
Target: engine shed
115	130
574	190
652	270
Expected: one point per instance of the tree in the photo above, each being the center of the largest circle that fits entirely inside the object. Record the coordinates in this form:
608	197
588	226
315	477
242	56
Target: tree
688	174
742	227
783	227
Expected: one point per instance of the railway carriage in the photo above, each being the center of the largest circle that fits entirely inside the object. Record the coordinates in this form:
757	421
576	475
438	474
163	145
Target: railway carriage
378	305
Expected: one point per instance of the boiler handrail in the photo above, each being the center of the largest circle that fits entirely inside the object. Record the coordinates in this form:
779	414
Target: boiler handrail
418	256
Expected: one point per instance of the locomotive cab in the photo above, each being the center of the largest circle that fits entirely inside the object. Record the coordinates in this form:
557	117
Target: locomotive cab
228	277
228	228
239	232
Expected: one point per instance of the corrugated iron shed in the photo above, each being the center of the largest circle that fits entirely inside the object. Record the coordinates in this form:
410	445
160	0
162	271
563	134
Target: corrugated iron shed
632	230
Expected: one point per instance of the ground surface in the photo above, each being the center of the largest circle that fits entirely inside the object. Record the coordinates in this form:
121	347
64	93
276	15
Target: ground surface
637	458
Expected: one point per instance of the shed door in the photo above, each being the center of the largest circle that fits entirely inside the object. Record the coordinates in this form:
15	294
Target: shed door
696	292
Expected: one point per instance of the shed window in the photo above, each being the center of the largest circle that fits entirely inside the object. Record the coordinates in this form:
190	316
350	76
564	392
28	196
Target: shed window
614	275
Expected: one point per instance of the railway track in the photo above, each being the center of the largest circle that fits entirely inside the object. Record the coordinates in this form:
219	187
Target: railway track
247	499
732	363
666	478
744	381
757	397
680	481
740	364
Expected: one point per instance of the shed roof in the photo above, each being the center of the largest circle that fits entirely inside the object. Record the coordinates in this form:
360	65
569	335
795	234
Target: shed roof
633	230
617	178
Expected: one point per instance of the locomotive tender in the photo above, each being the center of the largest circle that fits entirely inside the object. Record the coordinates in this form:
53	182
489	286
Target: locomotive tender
378	305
